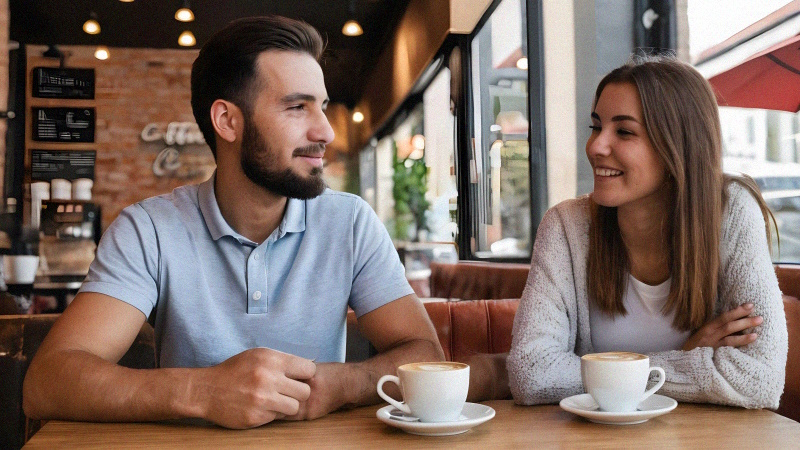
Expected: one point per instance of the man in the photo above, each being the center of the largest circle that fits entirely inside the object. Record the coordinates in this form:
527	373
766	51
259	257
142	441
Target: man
249	274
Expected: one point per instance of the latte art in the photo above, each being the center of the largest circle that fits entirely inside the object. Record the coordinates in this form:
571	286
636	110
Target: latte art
615	356
433	366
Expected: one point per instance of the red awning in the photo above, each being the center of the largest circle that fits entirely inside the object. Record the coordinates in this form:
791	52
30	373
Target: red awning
767	80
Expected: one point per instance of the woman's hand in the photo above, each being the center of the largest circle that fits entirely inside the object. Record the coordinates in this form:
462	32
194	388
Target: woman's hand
723	331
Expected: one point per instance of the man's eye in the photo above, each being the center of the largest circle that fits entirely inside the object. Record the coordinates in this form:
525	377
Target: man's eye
297	107
595	127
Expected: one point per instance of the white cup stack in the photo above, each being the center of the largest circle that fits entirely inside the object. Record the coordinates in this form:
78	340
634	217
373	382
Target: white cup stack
82	189
40	190
60	189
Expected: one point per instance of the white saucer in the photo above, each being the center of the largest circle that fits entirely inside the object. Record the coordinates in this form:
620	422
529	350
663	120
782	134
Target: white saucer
585	406
472	415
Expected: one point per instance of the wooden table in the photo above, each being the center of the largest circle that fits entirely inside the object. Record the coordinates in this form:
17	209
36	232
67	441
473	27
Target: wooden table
689	426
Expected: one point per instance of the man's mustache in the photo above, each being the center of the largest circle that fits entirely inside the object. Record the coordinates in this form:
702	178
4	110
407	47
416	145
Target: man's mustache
313	151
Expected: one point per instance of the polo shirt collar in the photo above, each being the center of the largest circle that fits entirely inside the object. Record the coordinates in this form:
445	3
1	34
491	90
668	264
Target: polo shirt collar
294	218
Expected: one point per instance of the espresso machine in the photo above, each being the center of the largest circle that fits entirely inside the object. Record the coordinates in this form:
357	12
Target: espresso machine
68	237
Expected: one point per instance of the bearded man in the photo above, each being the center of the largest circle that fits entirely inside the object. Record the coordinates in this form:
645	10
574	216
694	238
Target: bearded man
248	275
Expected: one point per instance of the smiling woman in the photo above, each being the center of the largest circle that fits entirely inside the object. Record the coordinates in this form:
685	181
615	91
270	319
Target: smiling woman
667	257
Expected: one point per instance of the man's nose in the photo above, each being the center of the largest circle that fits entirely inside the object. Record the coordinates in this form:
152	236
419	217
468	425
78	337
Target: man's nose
321	130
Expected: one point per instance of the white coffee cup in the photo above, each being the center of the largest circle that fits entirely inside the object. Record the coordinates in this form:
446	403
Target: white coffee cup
432	391
618	380
20	269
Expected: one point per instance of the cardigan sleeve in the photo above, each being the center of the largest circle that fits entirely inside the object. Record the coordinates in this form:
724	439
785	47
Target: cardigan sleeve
751	376
542	364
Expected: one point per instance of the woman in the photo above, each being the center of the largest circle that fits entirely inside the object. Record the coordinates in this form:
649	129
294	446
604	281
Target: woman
667	257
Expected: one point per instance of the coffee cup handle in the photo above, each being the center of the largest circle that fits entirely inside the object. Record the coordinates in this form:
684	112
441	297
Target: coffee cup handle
401	406
662	377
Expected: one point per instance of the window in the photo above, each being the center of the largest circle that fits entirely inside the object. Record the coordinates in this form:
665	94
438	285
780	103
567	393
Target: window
760	143
499	157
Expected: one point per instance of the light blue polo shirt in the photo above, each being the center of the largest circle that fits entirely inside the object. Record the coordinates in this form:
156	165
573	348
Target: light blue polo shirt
216	293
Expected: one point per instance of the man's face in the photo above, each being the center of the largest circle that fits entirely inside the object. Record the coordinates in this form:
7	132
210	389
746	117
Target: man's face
285	134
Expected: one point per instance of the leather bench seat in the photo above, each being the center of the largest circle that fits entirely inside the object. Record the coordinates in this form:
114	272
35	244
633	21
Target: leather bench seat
789	282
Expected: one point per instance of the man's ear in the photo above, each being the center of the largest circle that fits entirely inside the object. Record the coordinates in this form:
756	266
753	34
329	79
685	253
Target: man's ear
227	120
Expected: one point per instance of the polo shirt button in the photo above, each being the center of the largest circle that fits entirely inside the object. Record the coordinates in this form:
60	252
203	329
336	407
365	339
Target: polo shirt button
255	256
256	295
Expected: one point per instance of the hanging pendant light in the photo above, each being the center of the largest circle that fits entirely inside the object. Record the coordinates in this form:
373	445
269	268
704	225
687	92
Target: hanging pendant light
184	14
91	26
187	39
102	53
352	27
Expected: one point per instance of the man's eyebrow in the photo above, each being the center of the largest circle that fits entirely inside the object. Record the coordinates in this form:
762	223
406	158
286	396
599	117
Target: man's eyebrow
299	96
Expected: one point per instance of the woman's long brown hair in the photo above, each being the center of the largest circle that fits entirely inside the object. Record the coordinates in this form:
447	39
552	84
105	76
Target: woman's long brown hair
682	121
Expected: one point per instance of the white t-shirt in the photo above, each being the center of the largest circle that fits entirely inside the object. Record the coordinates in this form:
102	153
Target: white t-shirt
644	329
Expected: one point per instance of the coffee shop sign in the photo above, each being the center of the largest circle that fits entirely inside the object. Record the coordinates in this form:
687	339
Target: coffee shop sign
176	134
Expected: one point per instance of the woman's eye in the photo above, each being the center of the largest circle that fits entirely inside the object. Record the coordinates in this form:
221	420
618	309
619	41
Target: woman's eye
595	127
623	132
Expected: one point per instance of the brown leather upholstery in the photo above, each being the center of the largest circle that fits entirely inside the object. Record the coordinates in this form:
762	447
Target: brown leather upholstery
789	282
464	328
20	337
478	280
473	326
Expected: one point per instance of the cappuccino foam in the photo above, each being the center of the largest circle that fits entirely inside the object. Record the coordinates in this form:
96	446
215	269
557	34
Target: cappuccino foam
433	366
614	356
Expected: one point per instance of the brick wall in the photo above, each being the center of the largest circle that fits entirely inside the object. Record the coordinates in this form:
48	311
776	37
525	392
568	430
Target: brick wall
134	88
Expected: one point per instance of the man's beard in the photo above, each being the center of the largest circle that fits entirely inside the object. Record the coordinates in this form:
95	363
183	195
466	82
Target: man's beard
258	162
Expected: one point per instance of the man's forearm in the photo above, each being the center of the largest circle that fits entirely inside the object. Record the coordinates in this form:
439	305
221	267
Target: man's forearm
362	377
80	386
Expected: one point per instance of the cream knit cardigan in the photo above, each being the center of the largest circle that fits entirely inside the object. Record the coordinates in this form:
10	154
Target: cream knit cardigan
551	328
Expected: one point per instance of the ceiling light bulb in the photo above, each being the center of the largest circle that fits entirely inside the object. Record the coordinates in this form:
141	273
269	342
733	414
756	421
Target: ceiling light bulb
186	39
352	28
91	27
522	63
102	53
126	1
358	117
184	15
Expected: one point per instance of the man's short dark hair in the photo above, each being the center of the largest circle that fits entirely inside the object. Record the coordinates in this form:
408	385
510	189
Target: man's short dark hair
226	66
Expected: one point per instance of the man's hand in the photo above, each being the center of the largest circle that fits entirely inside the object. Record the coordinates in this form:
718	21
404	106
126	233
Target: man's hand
328	387
254	387
724	330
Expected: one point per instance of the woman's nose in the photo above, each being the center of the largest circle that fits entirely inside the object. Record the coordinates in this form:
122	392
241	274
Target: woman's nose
598	144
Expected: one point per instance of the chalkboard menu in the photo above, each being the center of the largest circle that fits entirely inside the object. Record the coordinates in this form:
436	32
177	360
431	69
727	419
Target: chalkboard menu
63	124
53	82
68	164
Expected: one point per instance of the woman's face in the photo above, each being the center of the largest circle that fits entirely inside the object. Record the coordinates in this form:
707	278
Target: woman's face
627	169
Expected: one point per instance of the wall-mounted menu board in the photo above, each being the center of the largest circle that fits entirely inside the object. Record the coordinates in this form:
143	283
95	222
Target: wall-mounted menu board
68	164
63	124
54	82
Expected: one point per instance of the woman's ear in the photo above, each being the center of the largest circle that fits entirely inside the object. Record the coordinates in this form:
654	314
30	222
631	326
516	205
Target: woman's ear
227	120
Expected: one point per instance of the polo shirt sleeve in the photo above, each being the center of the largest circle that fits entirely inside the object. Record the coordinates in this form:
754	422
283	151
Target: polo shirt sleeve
378	275
126	265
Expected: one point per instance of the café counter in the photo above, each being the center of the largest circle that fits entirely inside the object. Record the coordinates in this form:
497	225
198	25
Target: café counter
688	426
